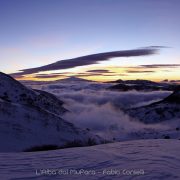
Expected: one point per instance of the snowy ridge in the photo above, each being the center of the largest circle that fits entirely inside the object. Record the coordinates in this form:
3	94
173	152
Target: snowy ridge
32	118
15	92
166	109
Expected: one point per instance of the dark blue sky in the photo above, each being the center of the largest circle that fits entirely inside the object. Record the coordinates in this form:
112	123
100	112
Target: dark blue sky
38	32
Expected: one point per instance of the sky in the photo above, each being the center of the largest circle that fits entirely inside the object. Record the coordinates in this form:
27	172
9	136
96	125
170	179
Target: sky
36	33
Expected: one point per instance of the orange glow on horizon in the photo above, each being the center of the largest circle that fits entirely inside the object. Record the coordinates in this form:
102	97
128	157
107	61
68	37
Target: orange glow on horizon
112	73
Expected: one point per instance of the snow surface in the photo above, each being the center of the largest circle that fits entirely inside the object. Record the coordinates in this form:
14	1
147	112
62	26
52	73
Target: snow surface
142	159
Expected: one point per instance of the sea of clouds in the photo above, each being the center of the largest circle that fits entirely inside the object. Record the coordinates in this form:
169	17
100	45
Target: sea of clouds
92	106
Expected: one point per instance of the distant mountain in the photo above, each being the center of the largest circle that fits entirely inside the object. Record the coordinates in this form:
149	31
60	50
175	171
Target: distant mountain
73	84
137	81
142	85
166	109
32	118
73	79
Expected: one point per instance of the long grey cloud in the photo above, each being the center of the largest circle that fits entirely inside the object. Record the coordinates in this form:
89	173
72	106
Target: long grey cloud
88	60
132	71
49	76
160	66
99	71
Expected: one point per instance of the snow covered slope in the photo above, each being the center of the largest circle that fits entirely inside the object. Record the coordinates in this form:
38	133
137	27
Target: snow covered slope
13	91
142	159
167	109
32	118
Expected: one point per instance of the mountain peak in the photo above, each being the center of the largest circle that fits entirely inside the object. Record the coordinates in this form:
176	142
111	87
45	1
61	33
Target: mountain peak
5	78
74	79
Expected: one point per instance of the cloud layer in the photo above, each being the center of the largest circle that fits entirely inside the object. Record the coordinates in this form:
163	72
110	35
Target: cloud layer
91	106
88	60
101	111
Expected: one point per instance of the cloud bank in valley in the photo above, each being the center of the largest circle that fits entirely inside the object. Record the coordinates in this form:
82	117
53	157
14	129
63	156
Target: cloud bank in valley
101	111
104	116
